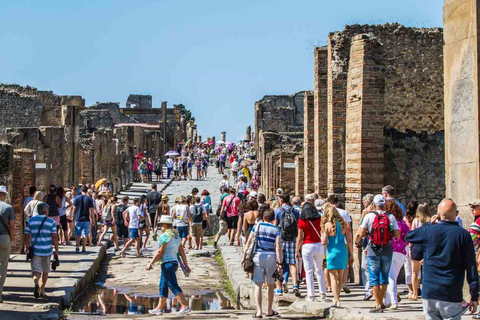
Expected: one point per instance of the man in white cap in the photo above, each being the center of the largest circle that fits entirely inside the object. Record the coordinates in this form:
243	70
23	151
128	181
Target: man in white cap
379	249
7	218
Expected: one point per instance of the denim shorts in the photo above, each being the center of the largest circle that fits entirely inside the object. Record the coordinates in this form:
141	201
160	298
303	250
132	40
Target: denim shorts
378	269
168	279
182	232
82	229
133	233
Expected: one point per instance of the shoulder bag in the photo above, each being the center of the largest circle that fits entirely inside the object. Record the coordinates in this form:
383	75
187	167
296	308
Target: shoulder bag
31	249
248	264
315	229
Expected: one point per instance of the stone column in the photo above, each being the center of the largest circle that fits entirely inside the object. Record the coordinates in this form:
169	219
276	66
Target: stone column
223	136
308	143
337	85
299	176
320	121
364	130
248	134
462	146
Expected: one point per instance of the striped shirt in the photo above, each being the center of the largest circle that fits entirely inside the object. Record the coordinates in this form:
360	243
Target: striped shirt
267	236
475	234
43	246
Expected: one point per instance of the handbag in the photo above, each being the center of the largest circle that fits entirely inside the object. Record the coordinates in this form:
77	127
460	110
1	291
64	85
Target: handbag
31	249
248	264
318	234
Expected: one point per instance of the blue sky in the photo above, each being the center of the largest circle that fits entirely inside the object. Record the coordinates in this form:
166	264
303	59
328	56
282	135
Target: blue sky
216	57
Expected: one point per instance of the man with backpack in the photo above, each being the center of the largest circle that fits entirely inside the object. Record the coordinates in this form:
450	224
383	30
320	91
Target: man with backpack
286	218
379	227
199	214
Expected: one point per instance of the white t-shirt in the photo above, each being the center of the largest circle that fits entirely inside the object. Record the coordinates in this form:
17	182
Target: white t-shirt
181	215
133	213
169	163
234	166
345	215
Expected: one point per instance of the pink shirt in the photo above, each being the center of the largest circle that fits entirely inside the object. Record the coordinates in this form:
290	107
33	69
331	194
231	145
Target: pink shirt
400	243
232	210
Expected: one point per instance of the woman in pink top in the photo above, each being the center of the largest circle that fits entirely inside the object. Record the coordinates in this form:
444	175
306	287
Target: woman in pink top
399	254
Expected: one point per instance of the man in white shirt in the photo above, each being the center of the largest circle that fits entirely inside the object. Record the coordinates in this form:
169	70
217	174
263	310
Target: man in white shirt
224	183
169	165
332	199
132	216
234	167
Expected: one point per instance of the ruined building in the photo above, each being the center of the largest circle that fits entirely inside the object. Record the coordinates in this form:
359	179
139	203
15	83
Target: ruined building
375	118
53	139
278	139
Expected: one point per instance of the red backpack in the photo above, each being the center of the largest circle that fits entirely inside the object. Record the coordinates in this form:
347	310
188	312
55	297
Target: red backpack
380	234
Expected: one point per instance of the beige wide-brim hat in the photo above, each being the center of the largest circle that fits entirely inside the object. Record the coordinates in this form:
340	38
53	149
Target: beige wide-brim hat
3	189
166	219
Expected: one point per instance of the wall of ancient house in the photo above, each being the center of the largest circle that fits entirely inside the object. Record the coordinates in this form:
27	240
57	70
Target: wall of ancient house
19	109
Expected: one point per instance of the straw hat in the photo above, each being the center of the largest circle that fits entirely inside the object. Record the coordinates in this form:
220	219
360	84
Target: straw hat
166	219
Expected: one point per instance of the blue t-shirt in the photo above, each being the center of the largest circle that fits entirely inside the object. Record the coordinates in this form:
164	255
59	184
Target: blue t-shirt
43	246
82	203
267	235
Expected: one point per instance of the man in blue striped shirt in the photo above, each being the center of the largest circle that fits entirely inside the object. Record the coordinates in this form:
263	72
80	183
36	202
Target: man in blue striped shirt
42	241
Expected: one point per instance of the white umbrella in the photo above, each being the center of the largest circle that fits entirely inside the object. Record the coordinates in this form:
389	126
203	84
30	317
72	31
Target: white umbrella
172	153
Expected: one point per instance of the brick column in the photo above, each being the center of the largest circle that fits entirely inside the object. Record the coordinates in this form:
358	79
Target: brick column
337	86
308	142
299	176
364	130
86	166
320	121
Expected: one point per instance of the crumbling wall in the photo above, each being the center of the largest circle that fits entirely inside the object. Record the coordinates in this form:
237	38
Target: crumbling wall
139	101
20	109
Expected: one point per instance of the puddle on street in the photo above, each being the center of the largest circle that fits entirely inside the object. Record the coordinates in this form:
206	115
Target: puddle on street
101	300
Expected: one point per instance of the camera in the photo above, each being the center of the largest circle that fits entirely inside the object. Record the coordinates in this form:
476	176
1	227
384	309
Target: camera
55	264
277	276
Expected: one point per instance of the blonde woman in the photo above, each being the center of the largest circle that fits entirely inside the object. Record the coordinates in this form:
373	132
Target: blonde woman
31	208
416	251
333	237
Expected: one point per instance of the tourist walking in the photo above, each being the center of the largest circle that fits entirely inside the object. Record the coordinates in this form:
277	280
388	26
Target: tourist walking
399	253
380	226
267	260
153	200
122	229
150	169
224	183
416	251
41	234
84	212
222	218
162	208
199	214
170	247
108	215
333	237
230	209
182	218
7	229
31	208
410	215
62	213
250	218
169	164
131	218
388	193
221	162
144	223
448	255
309	243
54	203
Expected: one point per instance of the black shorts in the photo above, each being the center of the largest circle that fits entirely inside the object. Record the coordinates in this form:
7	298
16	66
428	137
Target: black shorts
122	231
64	222
417	252
232	222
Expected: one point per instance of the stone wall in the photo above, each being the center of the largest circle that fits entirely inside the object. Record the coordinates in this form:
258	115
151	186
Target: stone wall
308	142
19	109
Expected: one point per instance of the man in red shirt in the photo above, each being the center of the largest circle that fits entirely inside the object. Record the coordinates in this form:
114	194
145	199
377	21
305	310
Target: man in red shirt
230	208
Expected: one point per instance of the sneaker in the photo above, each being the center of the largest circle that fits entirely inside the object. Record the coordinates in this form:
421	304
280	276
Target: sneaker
296	291
185	310
368	296
394	306
215	245
323	296
156	311
346	289
84	250
310	299
278	292
77	249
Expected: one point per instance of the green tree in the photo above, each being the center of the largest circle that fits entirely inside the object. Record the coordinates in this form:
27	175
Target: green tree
184	111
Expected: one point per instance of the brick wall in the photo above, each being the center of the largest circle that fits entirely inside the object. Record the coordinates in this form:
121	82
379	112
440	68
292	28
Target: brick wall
364	123
320	121
299	175
308	143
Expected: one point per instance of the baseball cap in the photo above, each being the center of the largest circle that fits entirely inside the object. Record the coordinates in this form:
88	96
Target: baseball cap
279	191
379	200
475	203
3	189
319	204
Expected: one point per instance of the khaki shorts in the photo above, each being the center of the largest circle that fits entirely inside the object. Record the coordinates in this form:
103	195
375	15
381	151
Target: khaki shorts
197	230
41	264
222	227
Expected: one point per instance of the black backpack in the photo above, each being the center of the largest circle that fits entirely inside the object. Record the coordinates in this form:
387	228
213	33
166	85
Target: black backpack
289	225
197	214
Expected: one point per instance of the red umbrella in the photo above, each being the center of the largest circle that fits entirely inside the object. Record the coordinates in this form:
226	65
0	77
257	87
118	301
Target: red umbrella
140	155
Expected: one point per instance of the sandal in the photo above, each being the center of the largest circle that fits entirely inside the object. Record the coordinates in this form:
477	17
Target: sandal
254	316
274	314
476	316
375	310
